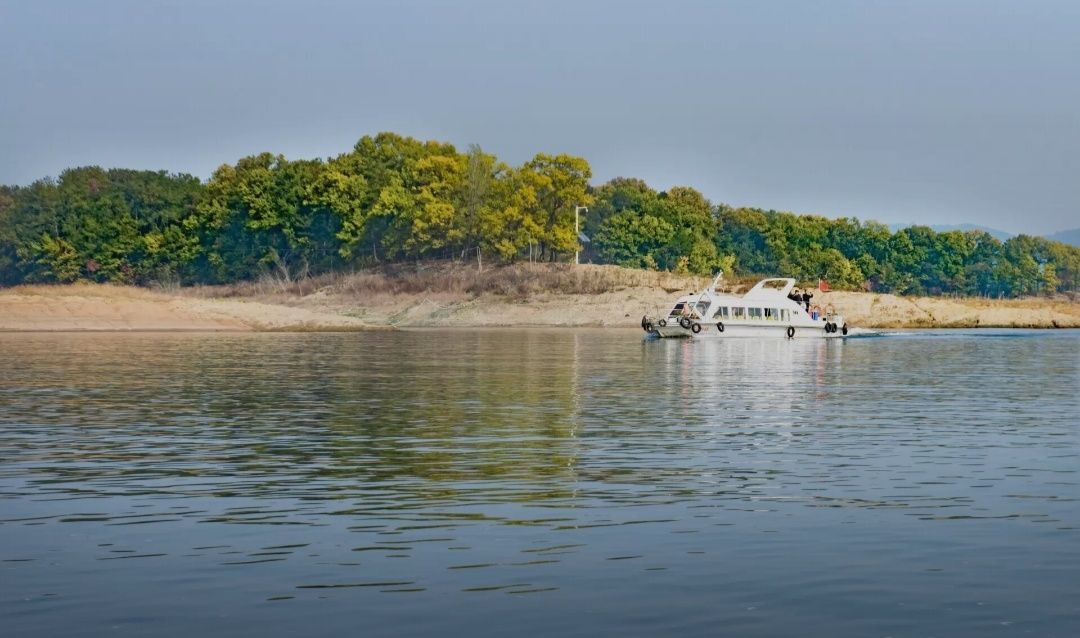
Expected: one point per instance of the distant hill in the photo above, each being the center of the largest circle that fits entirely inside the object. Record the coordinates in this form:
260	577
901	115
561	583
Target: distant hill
1067	236
941	228
1071	236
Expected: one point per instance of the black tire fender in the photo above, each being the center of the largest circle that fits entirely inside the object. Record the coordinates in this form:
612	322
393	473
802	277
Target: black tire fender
648	327
684	322
696	328
662	323
843	330
720	326
791	332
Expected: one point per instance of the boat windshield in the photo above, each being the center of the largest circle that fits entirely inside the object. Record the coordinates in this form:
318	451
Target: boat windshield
686	309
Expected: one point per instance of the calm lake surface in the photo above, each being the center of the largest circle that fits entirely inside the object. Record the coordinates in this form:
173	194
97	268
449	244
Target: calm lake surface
539	482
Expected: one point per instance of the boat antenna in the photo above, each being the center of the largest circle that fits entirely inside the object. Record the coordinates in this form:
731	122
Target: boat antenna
719	276
711	291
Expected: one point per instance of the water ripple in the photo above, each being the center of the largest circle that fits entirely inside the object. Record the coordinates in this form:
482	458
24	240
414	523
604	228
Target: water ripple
924	481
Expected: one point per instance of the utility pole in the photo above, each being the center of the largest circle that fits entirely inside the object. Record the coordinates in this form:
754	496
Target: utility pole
577	228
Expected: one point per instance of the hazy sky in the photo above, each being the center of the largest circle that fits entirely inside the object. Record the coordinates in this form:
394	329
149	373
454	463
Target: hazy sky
907	111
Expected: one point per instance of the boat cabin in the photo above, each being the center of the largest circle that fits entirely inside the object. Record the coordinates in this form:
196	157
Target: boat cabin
767	308
767	301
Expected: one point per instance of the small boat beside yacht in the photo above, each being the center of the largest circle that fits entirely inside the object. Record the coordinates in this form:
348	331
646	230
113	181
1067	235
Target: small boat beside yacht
766	310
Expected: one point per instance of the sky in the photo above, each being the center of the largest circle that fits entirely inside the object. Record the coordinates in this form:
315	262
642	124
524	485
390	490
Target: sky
943	111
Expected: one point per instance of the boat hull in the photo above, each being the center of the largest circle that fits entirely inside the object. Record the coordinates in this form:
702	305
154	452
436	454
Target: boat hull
738	330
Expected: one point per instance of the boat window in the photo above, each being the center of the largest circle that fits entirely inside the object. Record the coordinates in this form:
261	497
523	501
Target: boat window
723	312
677	310
701	307
739	312
783	315
770	314
754	313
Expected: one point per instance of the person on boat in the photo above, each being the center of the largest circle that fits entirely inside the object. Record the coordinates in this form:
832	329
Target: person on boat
794	296
806	297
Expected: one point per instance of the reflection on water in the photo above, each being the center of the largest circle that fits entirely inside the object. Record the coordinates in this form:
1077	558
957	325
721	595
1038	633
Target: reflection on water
566	481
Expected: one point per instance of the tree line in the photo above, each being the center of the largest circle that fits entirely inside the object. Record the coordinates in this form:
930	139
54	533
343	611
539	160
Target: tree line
394	198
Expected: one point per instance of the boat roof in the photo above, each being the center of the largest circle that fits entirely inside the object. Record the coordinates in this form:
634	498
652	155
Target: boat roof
764	290
767	288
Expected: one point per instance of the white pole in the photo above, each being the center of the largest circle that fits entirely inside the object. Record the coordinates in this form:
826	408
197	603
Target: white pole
576	232
577	228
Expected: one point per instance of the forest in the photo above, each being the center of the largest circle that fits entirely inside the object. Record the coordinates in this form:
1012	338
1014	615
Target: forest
394	198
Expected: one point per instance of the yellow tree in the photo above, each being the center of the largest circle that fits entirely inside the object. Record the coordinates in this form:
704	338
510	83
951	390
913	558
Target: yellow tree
432	217
506	225
560	182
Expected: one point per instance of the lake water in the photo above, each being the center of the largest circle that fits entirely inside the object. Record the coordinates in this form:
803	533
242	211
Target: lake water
539	482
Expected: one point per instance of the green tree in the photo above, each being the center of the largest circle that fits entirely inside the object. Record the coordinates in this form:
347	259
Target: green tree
57	260
9	260
478	193
265	215
379	174
633	240
393	197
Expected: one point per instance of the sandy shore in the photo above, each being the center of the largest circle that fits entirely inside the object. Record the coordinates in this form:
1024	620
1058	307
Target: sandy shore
890	311
87	307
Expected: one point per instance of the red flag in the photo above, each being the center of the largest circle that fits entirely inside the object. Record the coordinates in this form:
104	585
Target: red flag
823	285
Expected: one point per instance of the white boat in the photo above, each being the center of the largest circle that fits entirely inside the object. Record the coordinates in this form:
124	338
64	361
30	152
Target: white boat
764	311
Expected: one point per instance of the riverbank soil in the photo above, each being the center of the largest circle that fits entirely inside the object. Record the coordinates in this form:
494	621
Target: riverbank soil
449	295
92	307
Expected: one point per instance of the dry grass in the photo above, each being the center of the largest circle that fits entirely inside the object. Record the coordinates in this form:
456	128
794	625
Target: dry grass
100	291
518	281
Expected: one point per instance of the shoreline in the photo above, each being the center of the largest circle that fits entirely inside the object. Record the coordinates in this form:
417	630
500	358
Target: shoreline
337	307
